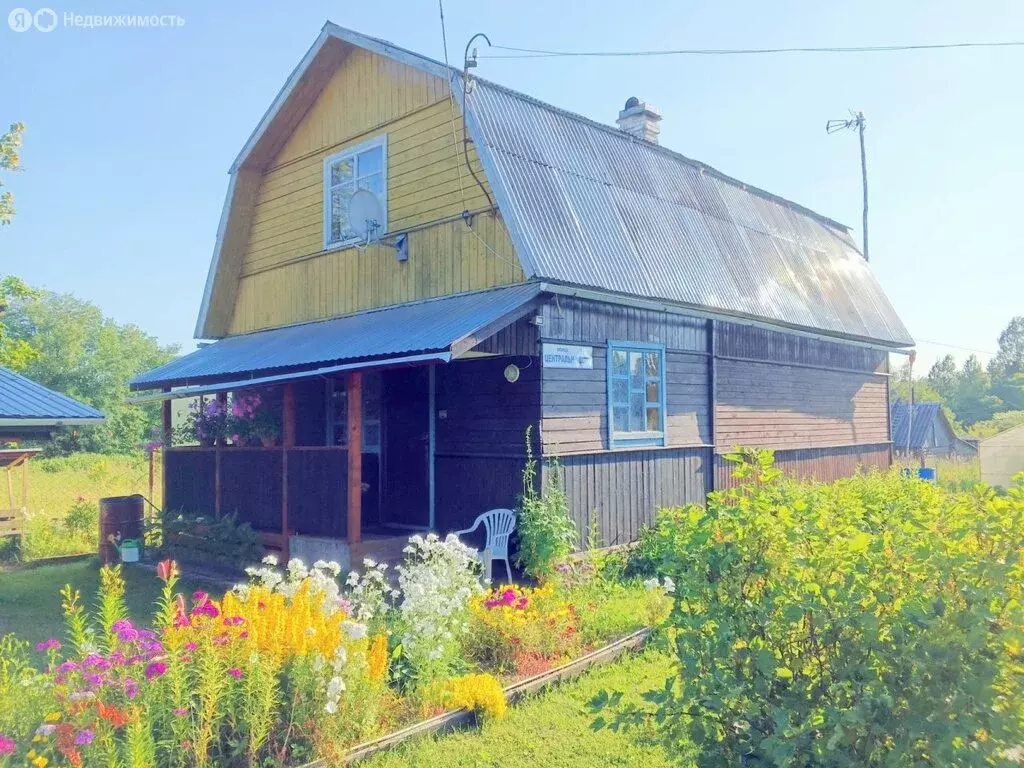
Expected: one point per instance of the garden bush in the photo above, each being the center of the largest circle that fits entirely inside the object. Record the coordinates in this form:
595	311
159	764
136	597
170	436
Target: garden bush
874	621
545	528
209	540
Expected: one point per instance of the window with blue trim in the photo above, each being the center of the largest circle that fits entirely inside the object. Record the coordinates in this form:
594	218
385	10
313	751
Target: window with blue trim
636	394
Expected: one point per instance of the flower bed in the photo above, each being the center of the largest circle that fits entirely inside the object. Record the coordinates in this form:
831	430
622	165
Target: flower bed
294	665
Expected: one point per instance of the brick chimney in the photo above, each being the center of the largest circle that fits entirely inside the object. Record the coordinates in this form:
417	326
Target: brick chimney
640	120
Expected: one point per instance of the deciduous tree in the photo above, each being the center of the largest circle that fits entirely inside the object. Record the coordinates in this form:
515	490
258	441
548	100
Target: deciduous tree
10	160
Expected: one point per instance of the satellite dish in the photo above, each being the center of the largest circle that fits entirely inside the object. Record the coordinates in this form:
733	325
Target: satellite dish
365	215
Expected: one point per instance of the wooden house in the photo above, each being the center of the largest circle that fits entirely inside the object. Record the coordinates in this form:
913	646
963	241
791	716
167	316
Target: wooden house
923	430
643	312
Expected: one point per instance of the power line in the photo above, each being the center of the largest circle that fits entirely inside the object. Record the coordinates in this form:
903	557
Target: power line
540	53
954	346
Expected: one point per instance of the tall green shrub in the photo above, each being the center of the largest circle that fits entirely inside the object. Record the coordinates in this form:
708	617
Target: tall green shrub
874	621
547	533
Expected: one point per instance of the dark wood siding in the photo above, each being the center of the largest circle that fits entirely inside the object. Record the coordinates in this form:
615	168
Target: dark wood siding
780	391
317	492
621	491
824	464
189	474
575	402
250	483
480	436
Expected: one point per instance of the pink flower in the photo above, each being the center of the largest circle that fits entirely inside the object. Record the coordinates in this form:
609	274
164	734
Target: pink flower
7	746
84	738
235	672
180	711
191	647
67	666
121	626
131	688
508	596
53	644
234	621
155	669
165	569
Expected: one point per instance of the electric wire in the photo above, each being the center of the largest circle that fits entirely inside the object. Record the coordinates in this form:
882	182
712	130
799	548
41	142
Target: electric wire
517	52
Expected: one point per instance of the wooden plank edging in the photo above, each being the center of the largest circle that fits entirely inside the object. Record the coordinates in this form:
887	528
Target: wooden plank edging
514	693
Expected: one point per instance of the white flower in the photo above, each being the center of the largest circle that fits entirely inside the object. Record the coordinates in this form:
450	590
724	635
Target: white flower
354	630
270	560
670	586
650	584
369	562
331	707
335	687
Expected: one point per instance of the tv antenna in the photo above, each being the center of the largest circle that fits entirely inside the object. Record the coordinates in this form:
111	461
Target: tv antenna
856	122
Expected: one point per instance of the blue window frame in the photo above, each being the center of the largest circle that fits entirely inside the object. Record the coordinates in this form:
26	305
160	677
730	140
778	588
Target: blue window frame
636	394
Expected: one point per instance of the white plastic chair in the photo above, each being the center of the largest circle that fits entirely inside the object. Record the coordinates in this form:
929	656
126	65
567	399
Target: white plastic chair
499	524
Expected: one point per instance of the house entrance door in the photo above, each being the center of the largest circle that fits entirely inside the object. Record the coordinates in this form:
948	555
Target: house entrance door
406	499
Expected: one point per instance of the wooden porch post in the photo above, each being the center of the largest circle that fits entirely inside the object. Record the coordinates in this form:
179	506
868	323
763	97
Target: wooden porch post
287	441
24	483
354	388
167	441
222	398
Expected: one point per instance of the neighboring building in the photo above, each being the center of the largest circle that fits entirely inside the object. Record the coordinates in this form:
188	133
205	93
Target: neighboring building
924	430
31	412
642	311
1002	457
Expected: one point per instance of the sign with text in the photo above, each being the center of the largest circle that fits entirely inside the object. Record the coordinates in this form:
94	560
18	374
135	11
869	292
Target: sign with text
567	356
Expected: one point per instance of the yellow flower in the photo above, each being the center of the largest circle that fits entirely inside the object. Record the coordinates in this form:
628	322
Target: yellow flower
40	762
53	717
481	693
377	658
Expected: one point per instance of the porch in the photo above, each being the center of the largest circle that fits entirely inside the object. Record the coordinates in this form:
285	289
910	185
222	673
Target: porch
374	450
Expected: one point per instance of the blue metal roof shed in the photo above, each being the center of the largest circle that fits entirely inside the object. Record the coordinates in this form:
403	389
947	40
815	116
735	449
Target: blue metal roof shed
27	407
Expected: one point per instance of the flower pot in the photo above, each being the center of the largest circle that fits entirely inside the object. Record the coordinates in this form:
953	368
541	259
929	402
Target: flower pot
268	442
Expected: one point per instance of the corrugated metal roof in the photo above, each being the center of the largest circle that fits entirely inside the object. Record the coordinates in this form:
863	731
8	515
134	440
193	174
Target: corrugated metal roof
920	425
423	326
590	205
22	398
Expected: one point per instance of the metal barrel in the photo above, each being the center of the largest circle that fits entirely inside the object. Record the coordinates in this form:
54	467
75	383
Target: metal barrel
119	515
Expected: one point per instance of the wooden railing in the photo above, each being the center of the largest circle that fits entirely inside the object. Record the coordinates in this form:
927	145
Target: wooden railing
12	522
251	482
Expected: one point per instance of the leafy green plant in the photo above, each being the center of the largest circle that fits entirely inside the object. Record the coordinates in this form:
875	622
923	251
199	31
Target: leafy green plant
547	533
210	539
874	621
83	517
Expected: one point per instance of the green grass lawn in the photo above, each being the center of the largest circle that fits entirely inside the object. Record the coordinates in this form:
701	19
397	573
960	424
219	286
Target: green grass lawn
551	729
30	597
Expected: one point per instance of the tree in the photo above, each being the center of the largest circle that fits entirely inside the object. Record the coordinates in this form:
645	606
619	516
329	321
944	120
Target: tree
10	160
89	357
924	392
15	354
1007	367
966	392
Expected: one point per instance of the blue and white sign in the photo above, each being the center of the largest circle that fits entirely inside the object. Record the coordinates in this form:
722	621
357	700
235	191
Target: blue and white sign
568	356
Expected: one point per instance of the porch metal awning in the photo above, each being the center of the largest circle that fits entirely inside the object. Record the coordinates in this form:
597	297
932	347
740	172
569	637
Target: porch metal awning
434	330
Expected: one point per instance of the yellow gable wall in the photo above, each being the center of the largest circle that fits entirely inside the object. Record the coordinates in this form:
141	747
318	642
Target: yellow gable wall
287	277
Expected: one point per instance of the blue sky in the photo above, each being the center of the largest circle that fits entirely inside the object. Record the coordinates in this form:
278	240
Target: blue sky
130	132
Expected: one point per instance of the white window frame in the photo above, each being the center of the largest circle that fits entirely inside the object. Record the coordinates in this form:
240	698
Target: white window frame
379	141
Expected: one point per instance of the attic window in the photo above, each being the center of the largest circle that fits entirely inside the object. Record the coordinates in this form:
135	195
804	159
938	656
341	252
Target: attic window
361	167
